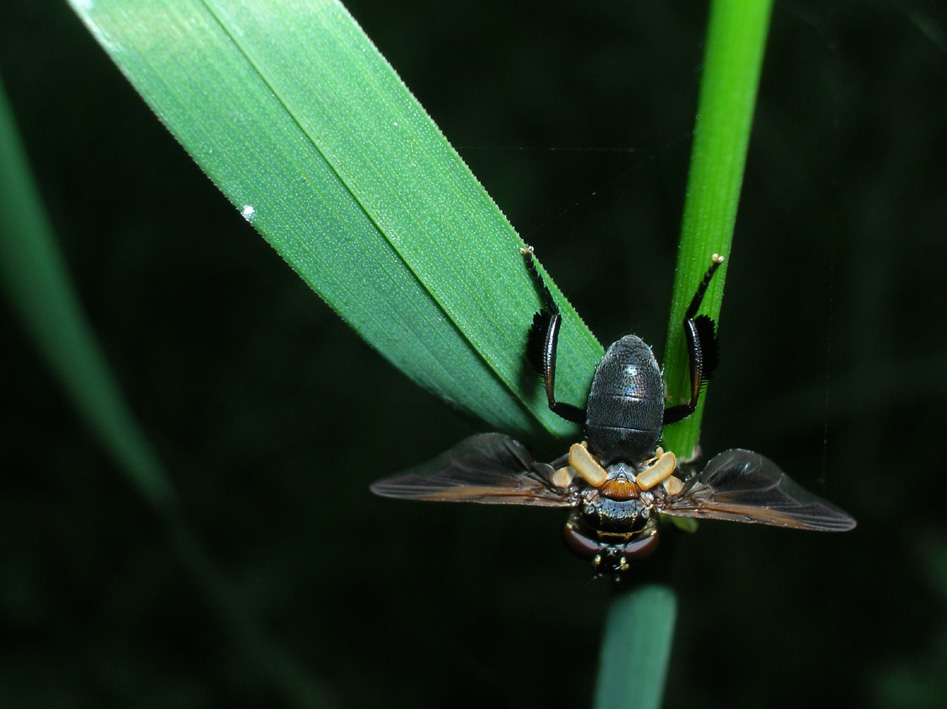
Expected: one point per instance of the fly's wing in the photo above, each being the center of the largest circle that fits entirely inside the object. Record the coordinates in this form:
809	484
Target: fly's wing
743	486
489	468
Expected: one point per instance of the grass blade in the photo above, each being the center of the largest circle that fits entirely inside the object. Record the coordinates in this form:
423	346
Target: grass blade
638	635
636	649
736	40
292	112
37	282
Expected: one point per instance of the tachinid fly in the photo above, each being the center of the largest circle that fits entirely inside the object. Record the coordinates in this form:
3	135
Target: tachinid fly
619	479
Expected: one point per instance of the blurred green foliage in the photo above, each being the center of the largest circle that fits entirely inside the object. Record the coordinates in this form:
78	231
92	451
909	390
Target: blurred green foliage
273	417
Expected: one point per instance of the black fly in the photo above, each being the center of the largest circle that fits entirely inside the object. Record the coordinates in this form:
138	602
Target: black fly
619	479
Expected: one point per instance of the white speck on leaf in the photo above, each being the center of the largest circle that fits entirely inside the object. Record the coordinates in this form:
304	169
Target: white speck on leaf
248	212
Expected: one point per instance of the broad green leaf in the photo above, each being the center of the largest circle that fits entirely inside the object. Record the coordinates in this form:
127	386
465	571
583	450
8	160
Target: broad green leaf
308	131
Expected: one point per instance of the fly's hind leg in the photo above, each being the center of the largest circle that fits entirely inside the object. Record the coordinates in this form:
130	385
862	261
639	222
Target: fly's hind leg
701	347
543	339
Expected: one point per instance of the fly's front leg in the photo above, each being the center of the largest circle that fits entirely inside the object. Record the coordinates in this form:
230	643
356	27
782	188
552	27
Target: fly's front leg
701	347
543	341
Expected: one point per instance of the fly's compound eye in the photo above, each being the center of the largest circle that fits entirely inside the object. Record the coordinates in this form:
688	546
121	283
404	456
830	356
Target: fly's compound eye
578	543
641	549
608	558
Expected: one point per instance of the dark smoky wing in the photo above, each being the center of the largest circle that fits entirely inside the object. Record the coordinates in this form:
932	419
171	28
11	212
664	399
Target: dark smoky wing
488	468
743	486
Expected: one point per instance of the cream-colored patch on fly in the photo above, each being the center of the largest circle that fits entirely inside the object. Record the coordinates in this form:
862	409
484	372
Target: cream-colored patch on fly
662	469
585	465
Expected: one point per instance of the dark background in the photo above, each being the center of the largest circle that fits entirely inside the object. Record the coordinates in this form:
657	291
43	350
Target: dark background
273	417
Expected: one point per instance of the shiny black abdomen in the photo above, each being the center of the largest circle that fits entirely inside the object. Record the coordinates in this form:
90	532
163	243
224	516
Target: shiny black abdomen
625	409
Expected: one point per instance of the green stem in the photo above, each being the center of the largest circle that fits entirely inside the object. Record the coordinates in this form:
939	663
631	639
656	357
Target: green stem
640	625
736	40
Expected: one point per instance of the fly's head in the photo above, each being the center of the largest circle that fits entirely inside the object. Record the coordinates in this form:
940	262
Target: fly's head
611	553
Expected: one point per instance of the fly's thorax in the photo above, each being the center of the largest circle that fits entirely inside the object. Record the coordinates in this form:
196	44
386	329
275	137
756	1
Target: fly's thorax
625	408
620	481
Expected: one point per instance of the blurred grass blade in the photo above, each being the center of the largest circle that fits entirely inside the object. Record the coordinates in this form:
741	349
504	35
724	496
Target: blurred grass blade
733	60
636	649
307	130
38	283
